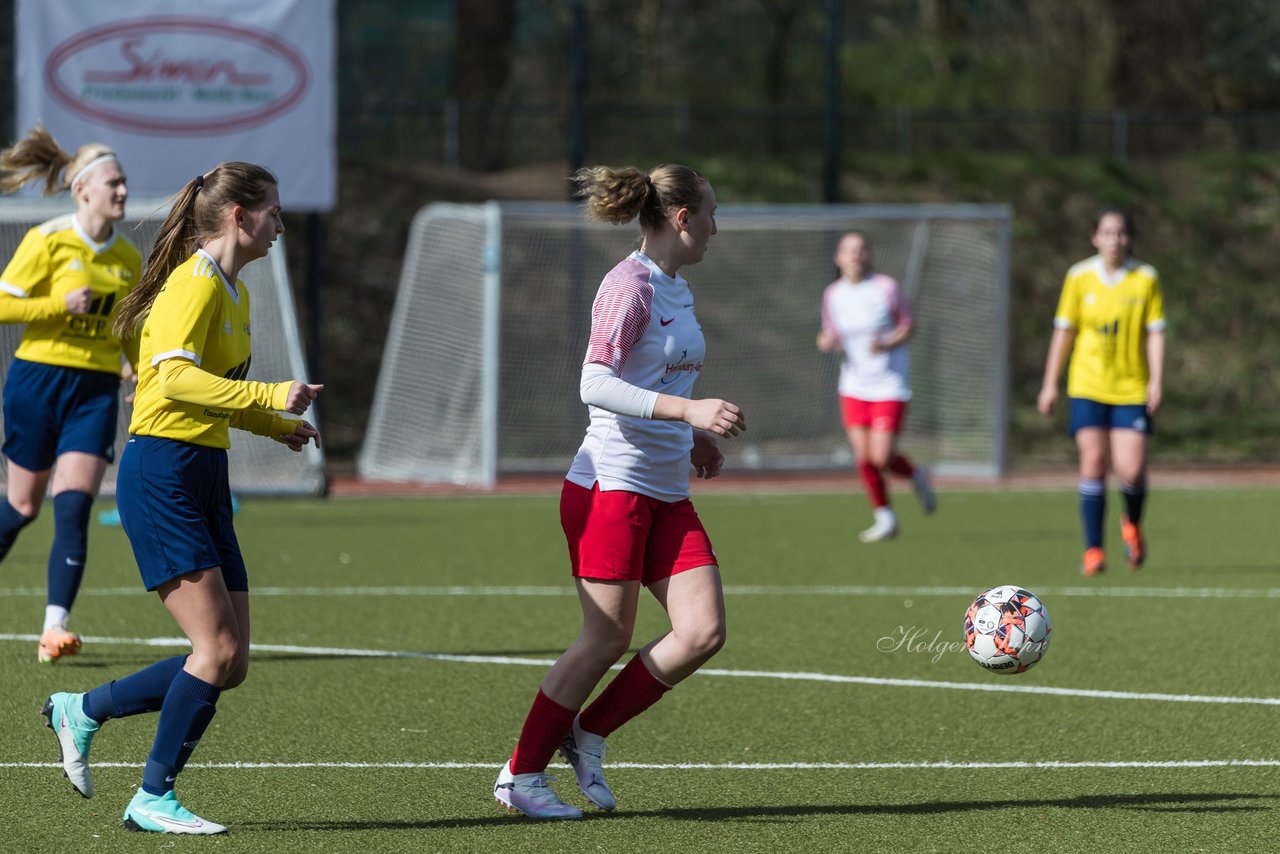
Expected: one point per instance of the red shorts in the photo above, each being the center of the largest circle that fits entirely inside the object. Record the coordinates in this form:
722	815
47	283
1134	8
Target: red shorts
884	415
624	536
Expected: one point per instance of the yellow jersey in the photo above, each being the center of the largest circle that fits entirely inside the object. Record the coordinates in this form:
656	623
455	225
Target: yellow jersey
53	260
194	355
1111	316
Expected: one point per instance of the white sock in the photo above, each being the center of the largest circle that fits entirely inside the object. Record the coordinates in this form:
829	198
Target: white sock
884	516
55	616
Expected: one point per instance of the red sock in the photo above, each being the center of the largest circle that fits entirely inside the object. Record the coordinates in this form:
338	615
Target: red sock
874	481
630	693
543	730
901	466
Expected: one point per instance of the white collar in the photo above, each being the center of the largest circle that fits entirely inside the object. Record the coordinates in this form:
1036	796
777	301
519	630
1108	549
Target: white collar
653	266
1113	279
98	248
231	288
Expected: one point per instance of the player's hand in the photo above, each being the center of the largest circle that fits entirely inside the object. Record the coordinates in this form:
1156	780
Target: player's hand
706	456
300	397
129	378
1154	397
302	433
828	341
78	301
1048	397
715	416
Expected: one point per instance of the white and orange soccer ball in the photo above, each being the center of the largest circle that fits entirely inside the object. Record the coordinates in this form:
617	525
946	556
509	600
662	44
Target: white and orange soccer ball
1007	629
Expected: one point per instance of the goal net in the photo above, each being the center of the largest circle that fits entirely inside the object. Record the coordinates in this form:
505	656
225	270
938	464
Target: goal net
493	314
257	465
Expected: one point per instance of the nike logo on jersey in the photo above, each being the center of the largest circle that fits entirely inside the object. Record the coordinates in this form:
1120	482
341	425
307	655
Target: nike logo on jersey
74	562
665	322
76	264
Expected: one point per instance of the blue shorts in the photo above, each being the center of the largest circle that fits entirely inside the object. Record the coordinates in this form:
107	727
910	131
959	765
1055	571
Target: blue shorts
175	507
50	410
1109	416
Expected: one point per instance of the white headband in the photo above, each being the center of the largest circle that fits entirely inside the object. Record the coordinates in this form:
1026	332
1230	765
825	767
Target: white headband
92	163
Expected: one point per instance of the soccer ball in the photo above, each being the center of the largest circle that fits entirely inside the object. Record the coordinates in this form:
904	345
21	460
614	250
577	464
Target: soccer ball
1007	629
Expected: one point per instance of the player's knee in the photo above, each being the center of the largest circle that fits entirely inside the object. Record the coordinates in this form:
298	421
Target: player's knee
29	508
239	672
706	639
1131	476
222	657
613	646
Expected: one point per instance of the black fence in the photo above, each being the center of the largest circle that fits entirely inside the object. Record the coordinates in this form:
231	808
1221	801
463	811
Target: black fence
516	134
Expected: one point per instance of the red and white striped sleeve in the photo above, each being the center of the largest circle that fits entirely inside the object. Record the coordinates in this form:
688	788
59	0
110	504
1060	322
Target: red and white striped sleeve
619	316
899	303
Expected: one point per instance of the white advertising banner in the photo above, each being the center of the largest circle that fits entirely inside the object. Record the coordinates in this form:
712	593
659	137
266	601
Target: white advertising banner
177	86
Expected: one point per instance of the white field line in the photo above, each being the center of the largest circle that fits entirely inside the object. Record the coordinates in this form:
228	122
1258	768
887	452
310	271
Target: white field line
718	766
993	687
850	590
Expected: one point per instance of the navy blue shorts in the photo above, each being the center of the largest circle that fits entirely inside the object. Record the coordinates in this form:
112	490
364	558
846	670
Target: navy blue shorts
1109	416
175	507
50	410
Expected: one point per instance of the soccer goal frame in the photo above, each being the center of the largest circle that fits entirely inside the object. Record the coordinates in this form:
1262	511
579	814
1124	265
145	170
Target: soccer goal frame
479	375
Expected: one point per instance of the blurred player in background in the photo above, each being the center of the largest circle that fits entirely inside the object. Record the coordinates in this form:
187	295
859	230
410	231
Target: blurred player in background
1111	319
625	505
61	396
173	489
867	319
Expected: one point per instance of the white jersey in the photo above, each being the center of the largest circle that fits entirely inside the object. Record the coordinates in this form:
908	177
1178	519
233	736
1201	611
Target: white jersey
859	313
642	326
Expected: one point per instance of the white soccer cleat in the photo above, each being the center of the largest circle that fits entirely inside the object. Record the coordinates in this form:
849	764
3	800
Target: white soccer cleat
163	814
74	731
530	794
881	530
584	751
924	490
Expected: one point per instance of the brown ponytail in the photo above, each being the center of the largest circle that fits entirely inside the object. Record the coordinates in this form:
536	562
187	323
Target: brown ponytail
196	216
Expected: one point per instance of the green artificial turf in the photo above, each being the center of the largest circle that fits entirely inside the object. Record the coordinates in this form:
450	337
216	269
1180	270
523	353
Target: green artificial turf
401	641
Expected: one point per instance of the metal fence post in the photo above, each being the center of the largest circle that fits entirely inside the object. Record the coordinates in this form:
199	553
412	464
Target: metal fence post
451	130
1120	134
902	121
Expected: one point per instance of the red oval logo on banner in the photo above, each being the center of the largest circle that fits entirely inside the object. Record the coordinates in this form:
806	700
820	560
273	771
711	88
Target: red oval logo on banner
177	76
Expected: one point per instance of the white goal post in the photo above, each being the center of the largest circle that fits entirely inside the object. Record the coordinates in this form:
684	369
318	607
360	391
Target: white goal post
257	465
480	373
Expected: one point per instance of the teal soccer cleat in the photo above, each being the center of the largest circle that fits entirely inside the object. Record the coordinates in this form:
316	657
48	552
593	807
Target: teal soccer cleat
163	814
64	714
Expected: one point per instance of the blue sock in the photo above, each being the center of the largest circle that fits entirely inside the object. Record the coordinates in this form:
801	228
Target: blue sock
188	707
1093	510
11	522
136	693
1135	496
70	545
